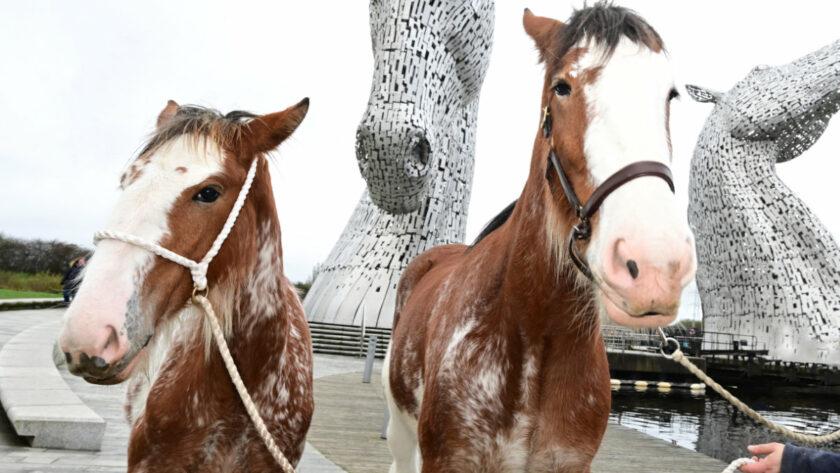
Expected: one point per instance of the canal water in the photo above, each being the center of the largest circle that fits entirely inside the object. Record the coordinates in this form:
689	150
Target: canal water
710	425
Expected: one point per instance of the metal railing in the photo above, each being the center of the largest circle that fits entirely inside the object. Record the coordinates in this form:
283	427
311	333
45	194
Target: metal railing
622	339
730	342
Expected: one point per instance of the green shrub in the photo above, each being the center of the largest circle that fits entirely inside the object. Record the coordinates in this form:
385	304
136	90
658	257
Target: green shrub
38	282
37	256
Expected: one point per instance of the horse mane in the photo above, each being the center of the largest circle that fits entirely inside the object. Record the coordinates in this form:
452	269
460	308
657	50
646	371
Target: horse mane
200	122
495	223
604	24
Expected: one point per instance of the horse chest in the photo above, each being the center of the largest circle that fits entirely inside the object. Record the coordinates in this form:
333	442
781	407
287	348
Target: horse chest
206	428
184	418
525	416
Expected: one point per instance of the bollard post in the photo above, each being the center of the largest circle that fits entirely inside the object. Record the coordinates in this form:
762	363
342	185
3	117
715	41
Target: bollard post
371	356
384	434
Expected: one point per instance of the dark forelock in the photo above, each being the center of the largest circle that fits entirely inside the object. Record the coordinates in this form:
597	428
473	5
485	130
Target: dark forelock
604	24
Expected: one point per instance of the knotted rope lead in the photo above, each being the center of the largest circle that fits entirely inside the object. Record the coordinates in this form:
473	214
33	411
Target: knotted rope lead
736	465
807	439
198	271
250	407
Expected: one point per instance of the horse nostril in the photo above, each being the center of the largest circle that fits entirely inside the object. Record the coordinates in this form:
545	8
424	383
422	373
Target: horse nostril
99	363
421	151
68	357
633	268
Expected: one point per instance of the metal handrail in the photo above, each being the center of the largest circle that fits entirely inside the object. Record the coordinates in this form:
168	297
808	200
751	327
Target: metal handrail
624	339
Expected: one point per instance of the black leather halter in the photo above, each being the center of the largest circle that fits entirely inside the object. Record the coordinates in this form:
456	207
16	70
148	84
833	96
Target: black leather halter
582	230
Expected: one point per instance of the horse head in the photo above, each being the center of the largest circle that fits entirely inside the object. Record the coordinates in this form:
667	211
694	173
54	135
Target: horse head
427	70
176	194
789	105
605	106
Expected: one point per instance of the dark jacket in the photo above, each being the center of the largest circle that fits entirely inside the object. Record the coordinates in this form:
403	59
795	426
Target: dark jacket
69	281
808	460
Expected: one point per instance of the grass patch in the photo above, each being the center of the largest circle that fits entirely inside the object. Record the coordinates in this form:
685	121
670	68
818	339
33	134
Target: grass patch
11	294
26	282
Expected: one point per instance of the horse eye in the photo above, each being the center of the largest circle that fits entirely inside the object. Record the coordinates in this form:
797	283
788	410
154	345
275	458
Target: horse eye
673	94
207	195
563	89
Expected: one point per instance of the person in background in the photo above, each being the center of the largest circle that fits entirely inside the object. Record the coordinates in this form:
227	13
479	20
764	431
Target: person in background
70	281
789	458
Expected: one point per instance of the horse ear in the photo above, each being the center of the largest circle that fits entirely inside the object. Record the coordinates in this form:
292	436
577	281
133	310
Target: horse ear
542	30
702	95
268	131
167	113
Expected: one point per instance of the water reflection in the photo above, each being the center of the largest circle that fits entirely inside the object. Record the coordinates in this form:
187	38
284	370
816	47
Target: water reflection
708	424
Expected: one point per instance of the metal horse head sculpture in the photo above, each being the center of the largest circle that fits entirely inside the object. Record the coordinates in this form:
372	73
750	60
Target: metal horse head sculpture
415	150
428	70
767	266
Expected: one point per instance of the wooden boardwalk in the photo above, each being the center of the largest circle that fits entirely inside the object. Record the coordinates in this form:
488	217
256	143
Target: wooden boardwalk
349	417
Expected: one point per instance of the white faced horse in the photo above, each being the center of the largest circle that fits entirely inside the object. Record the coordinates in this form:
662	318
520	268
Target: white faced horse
496	362
130	322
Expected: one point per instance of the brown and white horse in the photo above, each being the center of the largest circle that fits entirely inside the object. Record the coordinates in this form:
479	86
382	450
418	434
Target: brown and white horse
496	362
129	320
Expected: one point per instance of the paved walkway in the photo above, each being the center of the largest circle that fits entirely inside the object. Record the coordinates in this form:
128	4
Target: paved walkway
16	456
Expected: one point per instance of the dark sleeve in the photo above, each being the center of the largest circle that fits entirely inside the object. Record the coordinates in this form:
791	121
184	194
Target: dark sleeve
809	460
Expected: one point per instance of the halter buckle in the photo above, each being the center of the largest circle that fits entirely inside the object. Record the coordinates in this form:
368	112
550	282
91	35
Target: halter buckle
546	122
665	345
583	230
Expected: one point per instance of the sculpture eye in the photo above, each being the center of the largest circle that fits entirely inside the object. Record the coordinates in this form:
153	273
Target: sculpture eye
563	89
207	195
673	94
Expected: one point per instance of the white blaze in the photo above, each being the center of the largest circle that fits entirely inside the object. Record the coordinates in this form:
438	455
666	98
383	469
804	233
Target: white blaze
118	268
626	107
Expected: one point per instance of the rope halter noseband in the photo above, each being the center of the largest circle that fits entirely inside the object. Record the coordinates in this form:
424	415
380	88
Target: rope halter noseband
198	271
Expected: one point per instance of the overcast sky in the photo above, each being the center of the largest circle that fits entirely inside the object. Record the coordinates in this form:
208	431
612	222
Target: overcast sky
81	84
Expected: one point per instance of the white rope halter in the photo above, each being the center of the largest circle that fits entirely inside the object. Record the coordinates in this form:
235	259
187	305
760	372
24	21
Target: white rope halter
198	271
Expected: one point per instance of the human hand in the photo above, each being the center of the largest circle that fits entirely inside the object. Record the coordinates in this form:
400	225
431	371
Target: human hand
771	463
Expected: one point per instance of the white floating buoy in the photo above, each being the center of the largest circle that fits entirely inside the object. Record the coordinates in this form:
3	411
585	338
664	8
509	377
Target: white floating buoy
698	387
663	385
641	384
613	382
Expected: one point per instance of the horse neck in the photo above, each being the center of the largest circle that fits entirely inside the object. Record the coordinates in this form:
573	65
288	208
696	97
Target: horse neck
539	275
257	283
